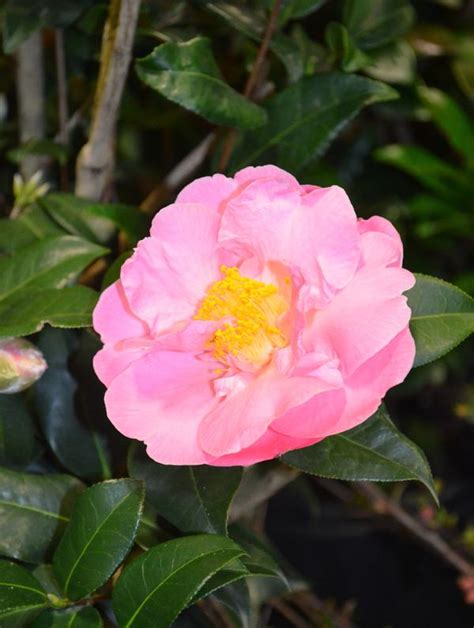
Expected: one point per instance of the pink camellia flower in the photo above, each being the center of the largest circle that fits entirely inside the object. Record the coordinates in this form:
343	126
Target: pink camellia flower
260	316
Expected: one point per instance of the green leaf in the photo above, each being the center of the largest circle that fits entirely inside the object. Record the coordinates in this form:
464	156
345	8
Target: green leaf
258	559
33	512
374	24
295	9
28	311
343	48
101	532
451	119
187	74
442	317
77	447
95	221
22	17
113	272
395	63
14	235
49	263
431	171
69	618
39	147
21	596
253	24
304	119
157	586
192	498
373	451
17	433
37	221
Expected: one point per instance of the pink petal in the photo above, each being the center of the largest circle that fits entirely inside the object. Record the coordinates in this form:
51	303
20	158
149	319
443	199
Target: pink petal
242	418
161	399
208	191
380	243
170	271
316	232
260	218
114	358
326	237
363	317
267	447
252	173
368	385
313	419
113	319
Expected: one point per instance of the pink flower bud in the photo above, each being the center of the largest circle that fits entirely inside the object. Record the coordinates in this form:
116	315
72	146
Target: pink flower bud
21	364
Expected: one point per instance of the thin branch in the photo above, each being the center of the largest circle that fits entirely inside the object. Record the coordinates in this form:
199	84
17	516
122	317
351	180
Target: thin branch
31	101
253	79
258	484
63	113
383	504
96	159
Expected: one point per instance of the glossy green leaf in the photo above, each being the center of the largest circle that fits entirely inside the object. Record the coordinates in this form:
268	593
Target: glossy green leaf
49	263
87	617
304	119
23	17
157	586
235	600
45	576
187	74
41	146
101	532
77	446
113	271
33	512
295	9
375	450
451	119
27	311
375	23
342	47
431	171
442	317
395	63
252	23
258	557
192	498
95	221
17	432
39	223
14	235
21	596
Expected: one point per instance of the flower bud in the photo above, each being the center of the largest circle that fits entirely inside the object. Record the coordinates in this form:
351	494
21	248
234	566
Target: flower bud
21	364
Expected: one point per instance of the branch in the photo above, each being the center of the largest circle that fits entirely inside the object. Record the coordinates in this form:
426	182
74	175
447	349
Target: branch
63	114
30	97
96	159
383	504
253	79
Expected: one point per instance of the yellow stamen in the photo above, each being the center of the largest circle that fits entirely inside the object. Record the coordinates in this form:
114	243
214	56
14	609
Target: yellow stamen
252	308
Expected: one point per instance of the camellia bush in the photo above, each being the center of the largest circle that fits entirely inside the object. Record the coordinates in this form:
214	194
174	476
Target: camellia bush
224	240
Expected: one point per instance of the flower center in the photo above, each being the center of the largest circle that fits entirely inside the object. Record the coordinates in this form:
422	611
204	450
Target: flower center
252	309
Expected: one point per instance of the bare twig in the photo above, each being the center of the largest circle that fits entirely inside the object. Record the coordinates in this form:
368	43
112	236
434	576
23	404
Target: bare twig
289	613
96	159
63	114
178	175
252	80
259	483
30	96
383	504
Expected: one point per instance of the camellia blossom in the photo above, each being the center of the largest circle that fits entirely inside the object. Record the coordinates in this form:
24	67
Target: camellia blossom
260	316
